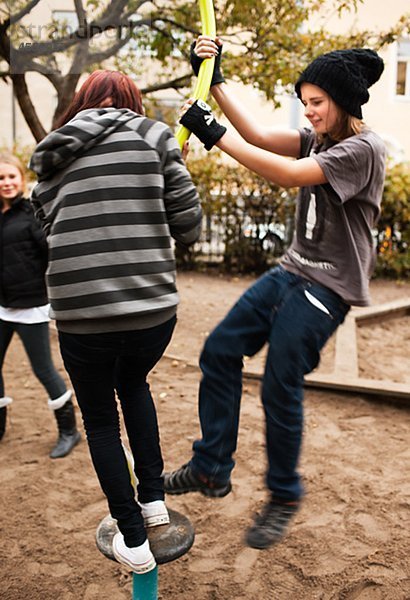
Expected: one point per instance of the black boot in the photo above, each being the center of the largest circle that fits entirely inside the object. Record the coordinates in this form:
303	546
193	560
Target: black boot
3	419
4	402
68	435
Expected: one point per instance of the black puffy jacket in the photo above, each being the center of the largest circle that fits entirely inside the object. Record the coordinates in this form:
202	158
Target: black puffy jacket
23	257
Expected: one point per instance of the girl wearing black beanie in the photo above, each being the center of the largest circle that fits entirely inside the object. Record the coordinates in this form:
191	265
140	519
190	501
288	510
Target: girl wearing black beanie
295	307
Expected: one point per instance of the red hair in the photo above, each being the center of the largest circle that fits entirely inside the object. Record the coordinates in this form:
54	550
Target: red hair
100	86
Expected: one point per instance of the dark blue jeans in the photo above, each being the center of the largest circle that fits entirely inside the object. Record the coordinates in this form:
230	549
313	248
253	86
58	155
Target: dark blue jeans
276	310
100	365
36	342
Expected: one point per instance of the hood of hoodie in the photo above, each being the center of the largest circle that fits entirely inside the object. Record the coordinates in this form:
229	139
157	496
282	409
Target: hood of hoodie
87	129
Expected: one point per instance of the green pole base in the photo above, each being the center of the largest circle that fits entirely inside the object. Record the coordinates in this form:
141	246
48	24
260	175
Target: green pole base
145	587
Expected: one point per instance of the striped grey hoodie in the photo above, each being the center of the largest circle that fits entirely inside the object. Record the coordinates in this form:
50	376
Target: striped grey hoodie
112	190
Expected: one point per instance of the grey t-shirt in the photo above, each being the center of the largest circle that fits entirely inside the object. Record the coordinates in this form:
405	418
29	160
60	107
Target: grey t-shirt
333	243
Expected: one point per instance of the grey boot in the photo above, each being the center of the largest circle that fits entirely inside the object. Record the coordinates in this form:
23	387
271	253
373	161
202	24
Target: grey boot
4	402
68	434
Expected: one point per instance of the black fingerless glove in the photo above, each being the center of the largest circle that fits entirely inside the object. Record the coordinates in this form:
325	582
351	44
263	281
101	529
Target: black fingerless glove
196	62
202	123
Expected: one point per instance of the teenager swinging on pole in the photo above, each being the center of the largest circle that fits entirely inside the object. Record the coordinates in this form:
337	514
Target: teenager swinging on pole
295	307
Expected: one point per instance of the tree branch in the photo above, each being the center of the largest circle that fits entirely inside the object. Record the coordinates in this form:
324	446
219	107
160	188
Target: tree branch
27	108
85	32
81	14
23	12
179	82
112	13
194	31
111	51
48	72
65	94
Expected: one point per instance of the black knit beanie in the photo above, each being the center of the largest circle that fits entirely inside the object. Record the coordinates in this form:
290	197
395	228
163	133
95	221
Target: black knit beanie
345	75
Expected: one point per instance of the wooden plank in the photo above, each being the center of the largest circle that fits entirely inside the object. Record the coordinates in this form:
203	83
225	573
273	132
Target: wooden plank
346	361
382	312
383	387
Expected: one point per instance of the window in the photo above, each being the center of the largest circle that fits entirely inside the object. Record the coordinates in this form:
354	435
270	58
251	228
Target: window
66	19
403	69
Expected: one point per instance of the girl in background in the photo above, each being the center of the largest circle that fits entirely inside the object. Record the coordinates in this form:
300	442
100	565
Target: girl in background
23	300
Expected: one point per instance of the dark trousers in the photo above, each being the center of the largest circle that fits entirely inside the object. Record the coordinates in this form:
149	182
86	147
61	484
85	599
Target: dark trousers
36	342
100	365
276	310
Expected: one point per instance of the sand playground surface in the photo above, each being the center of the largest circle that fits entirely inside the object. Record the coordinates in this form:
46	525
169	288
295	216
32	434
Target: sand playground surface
350	540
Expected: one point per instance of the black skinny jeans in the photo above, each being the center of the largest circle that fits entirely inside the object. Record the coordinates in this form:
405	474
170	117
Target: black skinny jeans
36	342
100	365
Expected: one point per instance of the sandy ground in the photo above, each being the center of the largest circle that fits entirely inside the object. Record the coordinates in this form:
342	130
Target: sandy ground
349	541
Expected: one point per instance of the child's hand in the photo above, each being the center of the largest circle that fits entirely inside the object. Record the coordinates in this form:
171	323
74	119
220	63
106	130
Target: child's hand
204	48
185	150
185	107
200	120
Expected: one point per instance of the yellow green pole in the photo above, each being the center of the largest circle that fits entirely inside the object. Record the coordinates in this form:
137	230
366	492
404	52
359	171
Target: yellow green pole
206	70
145	587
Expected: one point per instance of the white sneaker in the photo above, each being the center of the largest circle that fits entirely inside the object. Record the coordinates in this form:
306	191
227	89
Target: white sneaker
154	513
140	559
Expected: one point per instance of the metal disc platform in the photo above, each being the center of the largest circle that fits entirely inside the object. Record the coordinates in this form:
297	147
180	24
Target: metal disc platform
167	542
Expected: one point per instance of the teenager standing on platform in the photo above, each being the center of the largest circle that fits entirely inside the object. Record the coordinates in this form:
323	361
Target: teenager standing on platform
113	191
